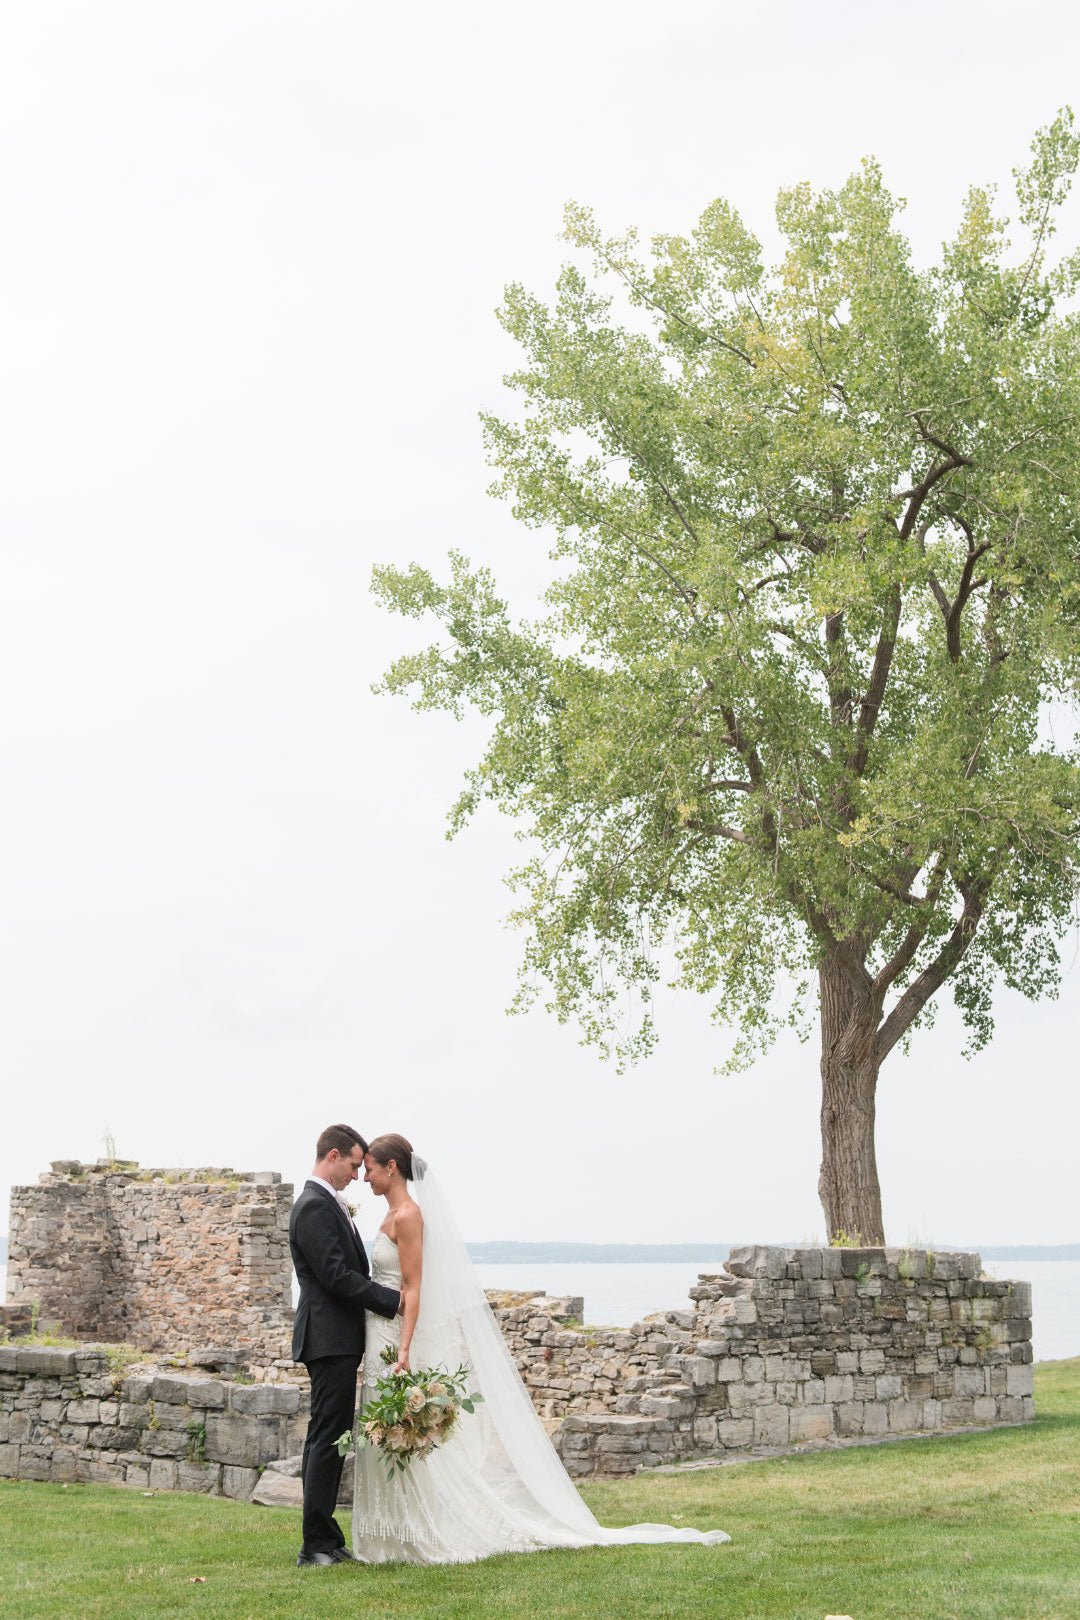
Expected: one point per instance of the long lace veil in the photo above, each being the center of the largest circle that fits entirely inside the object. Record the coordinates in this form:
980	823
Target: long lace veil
456	1320
507	1439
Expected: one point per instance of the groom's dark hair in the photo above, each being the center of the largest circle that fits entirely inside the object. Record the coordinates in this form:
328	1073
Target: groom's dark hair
342	1137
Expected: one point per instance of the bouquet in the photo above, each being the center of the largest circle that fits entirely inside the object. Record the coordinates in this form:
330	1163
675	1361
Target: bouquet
411	1414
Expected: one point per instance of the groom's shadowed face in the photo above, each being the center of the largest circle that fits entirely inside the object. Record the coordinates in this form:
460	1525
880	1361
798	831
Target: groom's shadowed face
342	1168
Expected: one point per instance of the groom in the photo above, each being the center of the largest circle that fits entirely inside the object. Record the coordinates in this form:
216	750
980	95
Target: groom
328	1331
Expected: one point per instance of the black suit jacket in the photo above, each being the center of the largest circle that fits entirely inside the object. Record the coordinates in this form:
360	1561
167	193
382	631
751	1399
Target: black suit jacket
335	1281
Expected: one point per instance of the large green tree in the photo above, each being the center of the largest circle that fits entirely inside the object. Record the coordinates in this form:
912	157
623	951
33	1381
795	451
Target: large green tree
784	723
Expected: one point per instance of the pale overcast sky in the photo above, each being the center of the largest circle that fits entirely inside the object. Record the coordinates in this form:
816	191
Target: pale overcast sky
252	253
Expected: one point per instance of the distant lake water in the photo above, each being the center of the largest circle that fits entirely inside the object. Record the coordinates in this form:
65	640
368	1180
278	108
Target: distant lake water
617	1294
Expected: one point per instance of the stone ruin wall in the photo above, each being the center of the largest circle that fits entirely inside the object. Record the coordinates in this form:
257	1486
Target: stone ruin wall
785	1347
885	1342
789	1347
81	1415
176	1260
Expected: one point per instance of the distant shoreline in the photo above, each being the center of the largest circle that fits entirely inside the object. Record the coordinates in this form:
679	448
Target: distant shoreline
510	1253
503	1253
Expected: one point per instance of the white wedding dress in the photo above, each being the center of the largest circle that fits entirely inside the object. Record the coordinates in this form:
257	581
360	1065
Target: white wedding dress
497	1485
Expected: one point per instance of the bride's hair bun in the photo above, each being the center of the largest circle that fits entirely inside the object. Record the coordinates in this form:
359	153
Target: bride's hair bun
392	1146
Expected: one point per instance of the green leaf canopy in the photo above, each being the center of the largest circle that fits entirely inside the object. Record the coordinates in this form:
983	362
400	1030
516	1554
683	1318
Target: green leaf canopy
817	547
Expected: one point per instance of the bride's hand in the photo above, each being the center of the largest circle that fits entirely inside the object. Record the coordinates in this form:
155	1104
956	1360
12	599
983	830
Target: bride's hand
401	1365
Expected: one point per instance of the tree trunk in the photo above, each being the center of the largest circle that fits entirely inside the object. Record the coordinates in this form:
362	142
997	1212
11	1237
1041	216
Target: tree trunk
848	1184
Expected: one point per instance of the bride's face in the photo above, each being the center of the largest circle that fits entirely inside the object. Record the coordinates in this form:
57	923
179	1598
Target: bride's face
377	1176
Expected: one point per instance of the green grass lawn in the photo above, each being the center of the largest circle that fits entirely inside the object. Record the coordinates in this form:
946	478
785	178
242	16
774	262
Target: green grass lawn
984	1525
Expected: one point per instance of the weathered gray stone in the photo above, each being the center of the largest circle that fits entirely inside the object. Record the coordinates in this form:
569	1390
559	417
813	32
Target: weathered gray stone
34	1464
705	1434
1019	1299
772	1425
44	1362
265	1399
167	1416
875	1418
100	1472
288	1465
245	1442
812	1423
100	1387
756	1260
84	1412
702	1371
743	1398
905	1415
608	1443
666	1406
205	1394
204	1479
1020	1380
278	1490
165	1442
64	1465
168	1389
849	1418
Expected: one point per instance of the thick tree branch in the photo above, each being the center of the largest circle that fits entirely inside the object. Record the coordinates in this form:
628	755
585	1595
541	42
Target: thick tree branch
743	746
933	976
967	584
839	690
904	954
715	830
952	612
879	680
726	784
916	497
816	920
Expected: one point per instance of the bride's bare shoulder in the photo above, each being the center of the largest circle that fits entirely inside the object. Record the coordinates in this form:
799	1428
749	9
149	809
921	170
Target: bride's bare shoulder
408	1220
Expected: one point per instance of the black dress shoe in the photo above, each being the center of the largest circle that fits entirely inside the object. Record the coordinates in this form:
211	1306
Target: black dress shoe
315	1558
342	1555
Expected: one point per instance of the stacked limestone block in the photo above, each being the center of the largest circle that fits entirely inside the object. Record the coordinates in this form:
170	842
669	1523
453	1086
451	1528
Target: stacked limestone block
73	1415
175	1259
800	1345
570	1368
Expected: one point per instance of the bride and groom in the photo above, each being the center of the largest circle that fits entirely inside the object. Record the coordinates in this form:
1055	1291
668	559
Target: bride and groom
497	1484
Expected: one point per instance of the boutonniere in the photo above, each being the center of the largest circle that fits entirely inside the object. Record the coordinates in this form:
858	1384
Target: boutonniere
351	1209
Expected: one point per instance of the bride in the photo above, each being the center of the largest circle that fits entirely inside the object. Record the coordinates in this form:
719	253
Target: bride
497	1484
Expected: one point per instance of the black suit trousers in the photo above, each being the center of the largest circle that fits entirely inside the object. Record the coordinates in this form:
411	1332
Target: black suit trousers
333	1407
